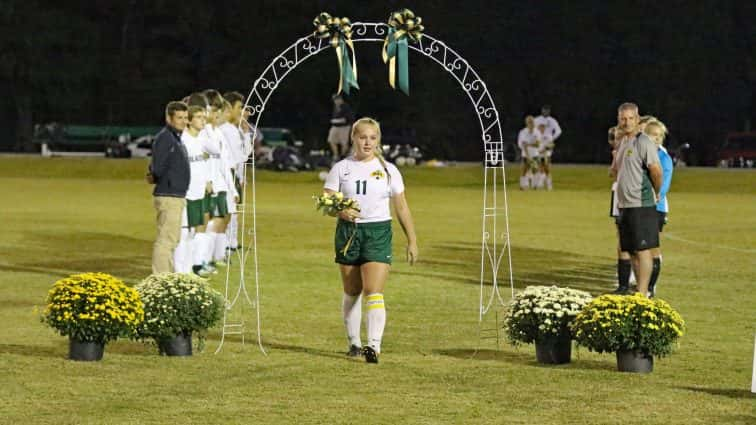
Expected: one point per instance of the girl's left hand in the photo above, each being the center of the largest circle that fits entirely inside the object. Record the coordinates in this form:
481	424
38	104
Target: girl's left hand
412	253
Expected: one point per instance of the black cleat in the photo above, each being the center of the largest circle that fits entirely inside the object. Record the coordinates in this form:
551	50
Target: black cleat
622	290
354	351
370	355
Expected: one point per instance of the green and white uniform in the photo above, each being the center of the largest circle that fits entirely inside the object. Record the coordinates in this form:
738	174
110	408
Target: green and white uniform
369	184
366	240
200	175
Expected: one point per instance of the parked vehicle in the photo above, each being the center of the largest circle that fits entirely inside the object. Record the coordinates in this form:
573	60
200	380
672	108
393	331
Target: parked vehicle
280	151
738	150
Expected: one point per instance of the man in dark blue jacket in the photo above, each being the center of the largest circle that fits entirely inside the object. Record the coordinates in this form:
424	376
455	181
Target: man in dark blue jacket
169	171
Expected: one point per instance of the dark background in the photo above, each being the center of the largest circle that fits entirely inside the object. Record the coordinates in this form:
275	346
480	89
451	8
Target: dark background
691	63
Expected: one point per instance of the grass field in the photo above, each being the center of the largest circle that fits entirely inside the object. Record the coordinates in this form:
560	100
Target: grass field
63	216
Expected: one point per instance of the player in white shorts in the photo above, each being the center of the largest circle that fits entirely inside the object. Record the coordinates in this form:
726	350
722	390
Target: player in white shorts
200	187
527	141
552	131
545	149
223	199
363	238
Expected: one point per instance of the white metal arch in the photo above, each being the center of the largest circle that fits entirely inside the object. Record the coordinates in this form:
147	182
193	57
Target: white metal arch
495	246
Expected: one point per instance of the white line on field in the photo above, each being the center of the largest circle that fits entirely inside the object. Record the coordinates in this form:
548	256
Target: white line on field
731	248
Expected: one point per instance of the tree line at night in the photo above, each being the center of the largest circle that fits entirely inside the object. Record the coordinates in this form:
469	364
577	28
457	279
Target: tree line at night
692	64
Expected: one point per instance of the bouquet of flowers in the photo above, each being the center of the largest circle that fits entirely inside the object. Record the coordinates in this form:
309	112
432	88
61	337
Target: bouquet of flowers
93	307
628	323
541	312
332	203
178	303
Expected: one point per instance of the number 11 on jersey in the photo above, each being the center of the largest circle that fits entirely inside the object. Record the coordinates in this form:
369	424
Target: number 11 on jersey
364	186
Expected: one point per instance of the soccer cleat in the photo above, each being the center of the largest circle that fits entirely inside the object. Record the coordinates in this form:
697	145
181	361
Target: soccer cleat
200	271
354	351
370	355
209	269
621	290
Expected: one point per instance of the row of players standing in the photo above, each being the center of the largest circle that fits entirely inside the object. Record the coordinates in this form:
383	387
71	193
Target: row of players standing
198	170
536	142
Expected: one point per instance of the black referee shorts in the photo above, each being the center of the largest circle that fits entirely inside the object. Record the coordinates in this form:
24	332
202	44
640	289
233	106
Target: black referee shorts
638	229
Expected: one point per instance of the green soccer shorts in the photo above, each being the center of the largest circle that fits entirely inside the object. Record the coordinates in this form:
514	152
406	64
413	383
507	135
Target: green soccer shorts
218	205
195	212
364	242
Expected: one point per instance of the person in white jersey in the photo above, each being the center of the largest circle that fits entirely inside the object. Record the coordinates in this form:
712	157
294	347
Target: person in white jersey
199	188
363	238
552	125
237	132
528	144
551	131
224	191
545	149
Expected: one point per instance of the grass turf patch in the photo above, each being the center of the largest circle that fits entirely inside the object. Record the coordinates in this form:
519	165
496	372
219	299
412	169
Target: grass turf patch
72	215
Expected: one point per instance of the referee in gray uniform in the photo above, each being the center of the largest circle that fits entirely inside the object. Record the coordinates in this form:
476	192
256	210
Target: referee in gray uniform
639	177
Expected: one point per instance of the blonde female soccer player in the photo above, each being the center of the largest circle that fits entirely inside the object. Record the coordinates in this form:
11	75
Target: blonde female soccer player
657	131
363	238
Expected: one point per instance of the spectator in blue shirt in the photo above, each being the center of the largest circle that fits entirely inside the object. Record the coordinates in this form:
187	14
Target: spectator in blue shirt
657	131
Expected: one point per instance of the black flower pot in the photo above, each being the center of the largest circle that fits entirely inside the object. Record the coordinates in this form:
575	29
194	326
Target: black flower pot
179	345
87	351
634	361
554	349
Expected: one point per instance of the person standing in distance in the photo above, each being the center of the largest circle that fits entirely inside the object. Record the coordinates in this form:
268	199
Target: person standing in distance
639	178
657	131
527	141
363	238
341	122
551	132
552	125
169	171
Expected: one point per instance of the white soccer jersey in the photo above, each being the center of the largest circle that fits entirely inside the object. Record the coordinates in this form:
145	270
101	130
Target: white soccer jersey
220	161
552	126
527	140
198	165
545	144
368	184
240	145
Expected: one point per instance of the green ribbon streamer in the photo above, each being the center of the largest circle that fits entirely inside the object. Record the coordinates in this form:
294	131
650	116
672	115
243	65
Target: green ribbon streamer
398	50
403	25
347	72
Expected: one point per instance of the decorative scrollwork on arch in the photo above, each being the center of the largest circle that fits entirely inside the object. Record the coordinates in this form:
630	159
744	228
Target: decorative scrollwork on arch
436	50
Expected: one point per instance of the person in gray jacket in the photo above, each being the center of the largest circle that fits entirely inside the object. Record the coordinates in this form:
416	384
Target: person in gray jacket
169	172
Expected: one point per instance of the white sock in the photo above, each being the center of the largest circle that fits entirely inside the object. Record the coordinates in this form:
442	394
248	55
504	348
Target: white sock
548	182
632	276
219	248
182	255
232	231
351	307
200	243
207	247
523	182
376	320
539	180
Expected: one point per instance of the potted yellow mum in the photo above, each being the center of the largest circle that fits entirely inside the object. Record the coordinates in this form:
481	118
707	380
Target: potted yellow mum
636	328
92	309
